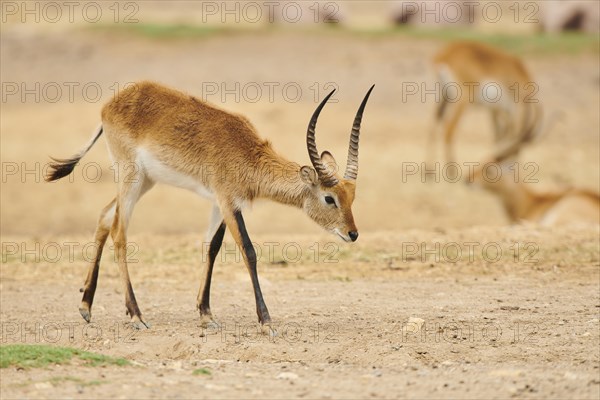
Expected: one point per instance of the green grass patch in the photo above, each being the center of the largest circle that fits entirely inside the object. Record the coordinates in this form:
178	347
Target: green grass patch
82	382
524	43
201	371
37	356
166	31
57	380
539	43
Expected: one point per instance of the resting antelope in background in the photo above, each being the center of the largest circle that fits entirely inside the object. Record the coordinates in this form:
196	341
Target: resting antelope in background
484	76
174	138
521	203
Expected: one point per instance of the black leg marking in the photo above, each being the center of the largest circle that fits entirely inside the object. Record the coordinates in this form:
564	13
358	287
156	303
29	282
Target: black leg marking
248	248
213	251
89	292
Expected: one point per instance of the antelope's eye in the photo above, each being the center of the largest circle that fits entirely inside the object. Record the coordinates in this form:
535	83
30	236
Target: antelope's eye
329	200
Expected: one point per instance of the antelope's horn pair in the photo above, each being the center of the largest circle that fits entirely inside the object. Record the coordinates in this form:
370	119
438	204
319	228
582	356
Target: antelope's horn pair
326	176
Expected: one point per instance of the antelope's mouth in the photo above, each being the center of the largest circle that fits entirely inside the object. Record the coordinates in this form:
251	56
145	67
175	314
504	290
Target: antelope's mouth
345	238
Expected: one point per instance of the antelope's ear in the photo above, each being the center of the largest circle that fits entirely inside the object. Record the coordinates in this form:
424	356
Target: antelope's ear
309	176
329	162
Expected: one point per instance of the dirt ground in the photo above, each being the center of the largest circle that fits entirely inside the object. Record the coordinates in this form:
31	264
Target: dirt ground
524	327
439	297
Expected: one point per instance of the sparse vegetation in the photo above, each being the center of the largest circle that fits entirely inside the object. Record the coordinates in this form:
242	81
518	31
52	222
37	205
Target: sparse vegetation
167	31
38	356
526	43
202	371
564	43
60	379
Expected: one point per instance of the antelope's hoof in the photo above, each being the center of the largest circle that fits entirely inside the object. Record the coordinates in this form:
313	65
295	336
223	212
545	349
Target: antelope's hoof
207	322
138	323
268	329
86	313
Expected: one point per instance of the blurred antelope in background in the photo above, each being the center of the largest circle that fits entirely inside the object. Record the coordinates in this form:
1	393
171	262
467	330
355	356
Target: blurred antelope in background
488	77
156	134
522	203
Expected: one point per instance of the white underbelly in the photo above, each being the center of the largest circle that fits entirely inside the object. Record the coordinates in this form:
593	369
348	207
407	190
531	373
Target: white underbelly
159	172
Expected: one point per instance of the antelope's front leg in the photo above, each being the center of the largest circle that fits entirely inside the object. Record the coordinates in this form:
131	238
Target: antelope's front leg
235	222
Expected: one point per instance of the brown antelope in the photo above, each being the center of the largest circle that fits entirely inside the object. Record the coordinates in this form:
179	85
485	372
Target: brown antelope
156	134
521	203
474	73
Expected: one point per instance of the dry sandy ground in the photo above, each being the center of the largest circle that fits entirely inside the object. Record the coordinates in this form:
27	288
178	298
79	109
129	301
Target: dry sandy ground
523	326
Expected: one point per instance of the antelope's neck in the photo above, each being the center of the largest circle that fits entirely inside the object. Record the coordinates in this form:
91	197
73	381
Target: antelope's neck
279	180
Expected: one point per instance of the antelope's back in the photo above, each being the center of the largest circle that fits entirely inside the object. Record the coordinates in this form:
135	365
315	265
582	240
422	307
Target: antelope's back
157	116
473	61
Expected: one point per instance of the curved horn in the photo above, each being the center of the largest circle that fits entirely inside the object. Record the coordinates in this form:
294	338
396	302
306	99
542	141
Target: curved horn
352	163
326	178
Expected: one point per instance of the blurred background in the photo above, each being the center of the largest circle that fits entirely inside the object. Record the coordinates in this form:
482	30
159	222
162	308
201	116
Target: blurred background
273	62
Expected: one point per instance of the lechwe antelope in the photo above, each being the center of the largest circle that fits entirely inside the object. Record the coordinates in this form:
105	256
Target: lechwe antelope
471	73
501	177
156	134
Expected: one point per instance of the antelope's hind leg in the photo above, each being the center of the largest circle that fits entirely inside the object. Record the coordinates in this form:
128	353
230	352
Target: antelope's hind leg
131	190
102	230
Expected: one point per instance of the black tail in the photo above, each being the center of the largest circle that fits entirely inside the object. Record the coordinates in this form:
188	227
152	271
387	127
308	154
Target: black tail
59	168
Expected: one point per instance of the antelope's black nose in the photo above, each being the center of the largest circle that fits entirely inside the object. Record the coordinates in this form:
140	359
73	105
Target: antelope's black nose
353	235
